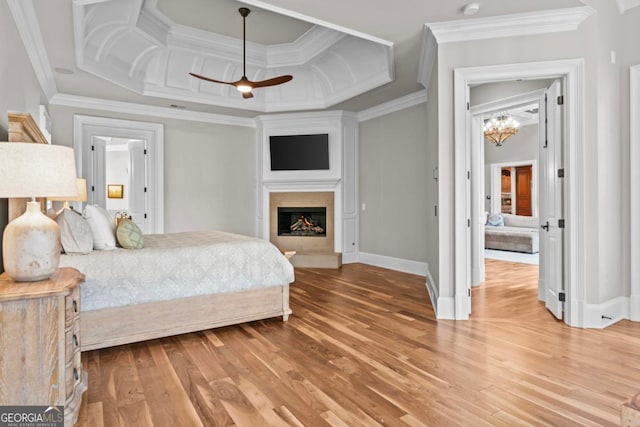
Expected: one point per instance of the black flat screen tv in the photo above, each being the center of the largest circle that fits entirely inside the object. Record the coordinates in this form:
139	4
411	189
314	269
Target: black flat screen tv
299	152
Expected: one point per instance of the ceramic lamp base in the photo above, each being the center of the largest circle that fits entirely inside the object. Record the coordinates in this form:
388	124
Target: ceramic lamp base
31	246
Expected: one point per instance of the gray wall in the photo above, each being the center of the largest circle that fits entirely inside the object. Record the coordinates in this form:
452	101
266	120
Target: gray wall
209	171
19	88
393	172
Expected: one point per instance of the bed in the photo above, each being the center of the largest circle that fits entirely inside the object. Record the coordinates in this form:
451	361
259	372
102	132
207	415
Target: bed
178	283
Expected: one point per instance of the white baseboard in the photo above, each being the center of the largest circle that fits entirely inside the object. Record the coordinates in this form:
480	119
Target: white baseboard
350	258
605	314
446	308
397	264
634	308
433	292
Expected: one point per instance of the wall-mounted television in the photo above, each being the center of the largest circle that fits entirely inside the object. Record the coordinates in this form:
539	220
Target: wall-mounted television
299	152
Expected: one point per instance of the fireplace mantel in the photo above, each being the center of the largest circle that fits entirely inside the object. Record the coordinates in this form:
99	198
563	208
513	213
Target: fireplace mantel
340	179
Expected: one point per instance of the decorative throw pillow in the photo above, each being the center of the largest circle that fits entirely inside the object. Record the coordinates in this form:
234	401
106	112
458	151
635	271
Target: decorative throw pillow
496	220
129	235
75	232
101	228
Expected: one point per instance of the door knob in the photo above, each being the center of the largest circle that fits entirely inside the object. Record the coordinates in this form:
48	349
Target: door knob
545	227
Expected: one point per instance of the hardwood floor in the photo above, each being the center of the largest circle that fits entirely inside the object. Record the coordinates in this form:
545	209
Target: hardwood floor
363	348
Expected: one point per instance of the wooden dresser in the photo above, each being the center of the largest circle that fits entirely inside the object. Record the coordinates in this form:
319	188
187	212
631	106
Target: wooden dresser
40	342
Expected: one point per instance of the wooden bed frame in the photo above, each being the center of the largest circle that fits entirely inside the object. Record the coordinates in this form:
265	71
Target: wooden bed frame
122	325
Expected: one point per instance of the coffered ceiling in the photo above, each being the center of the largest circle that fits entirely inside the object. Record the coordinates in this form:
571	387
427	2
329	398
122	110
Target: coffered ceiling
350	55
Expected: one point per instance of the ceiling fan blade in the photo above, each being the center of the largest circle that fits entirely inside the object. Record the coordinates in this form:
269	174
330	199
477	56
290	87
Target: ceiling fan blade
198	76
247	95
272	82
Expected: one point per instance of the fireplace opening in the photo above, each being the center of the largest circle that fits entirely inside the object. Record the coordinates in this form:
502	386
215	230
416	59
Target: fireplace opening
310	222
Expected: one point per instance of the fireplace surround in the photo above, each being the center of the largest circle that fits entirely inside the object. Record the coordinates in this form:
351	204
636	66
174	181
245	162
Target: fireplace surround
318	206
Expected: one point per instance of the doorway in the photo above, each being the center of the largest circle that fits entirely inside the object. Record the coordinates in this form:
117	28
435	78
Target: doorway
123	163
570	72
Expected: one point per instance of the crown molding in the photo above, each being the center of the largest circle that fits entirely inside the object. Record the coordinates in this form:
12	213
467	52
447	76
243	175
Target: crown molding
519	24
624	5
397	104
66	100
26	21
427	57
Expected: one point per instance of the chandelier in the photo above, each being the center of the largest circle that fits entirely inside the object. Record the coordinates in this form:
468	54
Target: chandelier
498	129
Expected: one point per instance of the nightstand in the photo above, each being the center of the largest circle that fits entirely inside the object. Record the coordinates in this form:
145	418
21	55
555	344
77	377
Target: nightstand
40	342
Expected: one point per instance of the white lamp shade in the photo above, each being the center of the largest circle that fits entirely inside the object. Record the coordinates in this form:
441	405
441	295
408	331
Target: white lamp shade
37	170
81	183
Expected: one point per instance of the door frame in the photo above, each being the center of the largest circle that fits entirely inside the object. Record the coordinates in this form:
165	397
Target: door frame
84	127
634	203
478	114
571	71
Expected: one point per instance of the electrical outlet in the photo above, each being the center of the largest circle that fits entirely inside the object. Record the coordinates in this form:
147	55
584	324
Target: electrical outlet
364	207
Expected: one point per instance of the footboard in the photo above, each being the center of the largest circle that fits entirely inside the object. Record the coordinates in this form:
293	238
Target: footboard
122	325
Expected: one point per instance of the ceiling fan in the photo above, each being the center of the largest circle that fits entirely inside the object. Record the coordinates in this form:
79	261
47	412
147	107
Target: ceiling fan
245	85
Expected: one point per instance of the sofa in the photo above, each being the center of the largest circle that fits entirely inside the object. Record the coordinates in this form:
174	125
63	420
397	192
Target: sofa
514	233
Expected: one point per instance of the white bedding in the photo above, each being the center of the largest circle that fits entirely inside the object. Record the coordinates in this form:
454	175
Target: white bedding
178	265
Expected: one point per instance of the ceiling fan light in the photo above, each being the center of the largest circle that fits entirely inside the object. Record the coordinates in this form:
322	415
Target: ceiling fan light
244	88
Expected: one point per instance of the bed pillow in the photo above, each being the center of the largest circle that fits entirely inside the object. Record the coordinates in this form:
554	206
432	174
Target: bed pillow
129	235
75	232
111	218
101	228
496	220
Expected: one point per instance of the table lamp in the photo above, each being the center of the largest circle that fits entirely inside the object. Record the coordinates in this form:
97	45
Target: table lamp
31	242
81	183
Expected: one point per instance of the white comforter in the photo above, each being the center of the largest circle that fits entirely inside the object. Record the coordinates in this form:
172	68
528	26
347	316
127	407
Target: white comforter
178	265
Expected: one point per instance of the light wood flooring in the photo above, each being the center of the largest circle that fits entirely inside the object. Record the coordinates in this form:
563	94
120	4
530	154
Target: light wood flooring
363	348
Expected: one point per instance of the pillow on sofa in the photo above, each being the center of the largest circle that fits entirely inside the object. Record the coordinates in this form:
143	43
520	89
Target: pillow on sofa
520	221
101	228
495	220
75	232
129	235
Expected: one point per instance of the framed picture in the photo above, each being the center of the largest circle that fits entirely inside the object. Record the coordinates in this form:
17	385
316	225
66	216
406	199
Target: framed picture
115	191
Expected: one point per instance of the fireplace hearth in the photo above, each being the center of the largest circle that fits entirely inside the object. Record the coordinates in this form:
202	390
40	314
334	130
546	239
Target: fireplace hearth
302	221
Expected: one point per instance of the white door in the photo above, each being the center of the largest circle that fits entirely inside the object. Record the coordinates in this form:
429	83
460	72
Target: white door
551	285
97	185
138	182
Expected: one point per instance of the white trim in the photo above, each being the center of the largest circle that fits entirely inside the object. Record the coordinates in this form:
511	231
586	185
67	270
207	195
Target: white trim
392	106
433	292
77	101
427	57
624	5
606	314
286	12
509	102
152	132
24	15
446	308
350	258
518	24
572	72
397	264
634	177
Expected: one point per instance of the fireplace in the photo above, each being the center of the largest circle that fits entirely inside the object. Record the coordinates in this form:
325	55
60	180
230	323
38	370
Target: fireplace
302	221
